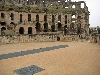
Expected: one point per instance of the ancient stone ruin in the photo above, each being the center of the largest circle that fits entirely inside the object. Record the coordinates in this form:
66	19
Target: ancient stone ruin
38	20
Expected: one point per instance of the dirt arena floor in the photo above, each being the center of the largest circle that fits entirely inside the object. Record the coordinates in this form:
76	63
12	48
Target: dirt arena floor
77	59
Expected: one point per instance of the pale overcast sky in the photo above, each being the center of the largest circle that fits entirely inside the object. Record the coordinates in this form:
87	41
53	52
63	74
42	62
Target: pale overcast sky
94	8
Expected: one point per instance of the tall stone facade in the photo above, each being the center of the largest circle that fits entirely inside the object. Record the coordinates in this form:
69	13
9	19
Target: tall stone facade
35	16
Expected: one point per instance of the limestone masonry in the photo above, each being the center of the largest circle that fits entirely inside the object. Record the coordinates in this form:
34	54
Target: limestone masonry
57	17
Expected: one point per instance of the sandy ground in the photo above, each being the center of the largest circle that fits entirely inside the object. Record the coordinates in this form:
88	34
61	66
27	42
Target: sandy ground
77	59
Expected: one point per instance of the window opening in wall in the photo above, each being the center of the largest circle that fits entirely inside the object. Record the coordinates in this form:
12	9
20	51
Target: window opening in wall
58	38
12	16
3	28
30	30
38	27
65	26
53	18
29	17
73	6
82	5
59	18
65	19
53	28
66	7
21	30
59	26
37	17
72	26
45	17
73	16
3	23
45	27
12	23
2	15
20	17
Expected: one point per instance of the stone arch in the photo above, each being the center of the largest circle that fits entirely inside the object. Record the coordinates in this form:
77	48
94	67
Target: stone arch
38	27
45	27
12	23
29	30
21	30
3	28
59	26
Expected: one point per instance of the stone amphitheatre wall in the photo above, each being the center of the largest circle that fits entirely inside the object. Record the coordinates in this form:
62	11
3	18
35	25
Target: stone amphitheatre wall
37	38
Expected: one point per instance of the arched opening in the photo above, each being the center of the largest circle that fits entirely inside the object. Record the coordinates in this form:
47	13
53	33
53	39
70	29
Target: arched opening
58	38
53	28
59	18
3	28
20	17
53	18
59	26
2	15
37	17
72	26
45	17
65	30
12	23
38	27
30	30
12	16
3	23
65	19
45	27
65	26
29	17
21	30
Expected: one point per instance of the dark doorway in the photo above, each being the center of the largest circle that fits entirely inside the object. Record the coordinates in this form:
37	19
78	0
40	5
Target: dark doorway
30	30
53	28
45	17
58	38
38	27
2	15
37	17
20	17
59	27
65	19
53	18
29	17
3	28
12	16
45	27
21	30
